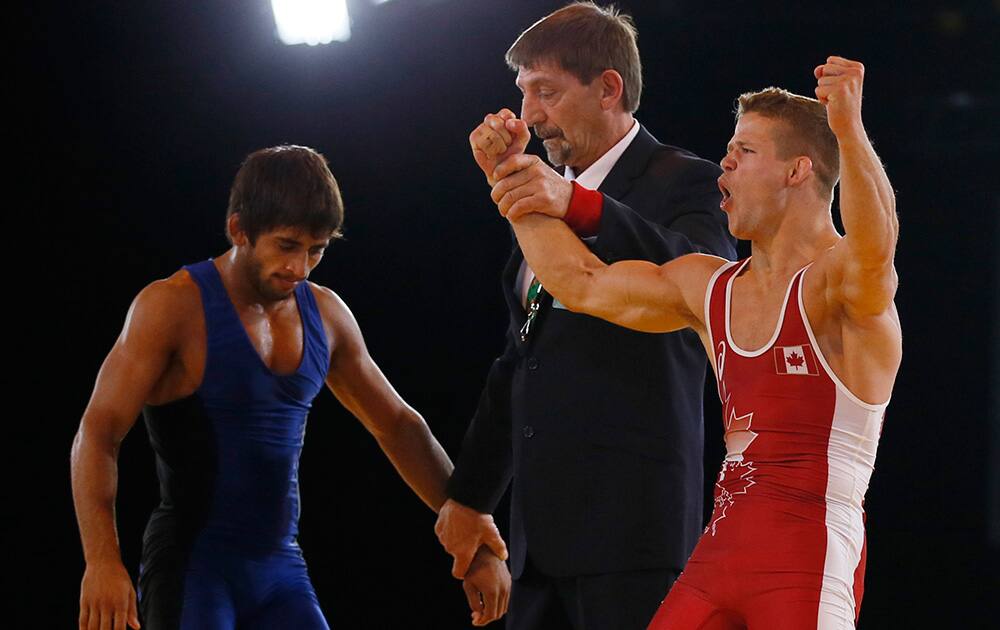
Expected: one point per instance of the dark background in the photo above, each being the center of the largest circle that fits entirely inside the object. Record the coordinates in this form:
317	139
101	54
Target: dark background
135	116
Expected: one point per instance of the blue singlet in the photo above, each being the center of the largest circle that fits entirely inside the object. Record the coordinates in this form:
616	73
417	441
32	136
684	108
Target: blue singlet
220	551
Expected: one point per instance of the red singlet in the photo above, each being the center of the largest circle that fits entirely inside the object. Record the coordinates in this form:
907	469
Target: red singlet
785	545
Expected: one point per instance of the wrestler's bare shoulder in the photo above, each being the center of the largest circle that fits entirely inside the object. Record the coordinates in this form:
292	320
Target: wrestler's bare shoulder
701	263
166	306
867	307
338	320
178	293
693	272
330	304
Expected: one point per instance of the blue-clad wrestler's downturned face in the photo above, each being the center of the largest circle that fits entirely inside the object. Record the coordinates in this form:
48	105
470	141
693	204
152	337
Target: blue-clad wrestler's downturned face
280	259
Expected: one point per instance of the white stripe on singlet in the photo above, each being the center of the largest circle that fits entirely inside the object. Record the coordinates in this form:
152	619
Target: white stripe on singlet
854	434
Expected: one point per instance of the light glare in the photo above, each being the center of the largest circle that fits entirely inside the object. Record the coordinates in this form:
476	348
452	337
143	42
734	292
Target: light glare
311	21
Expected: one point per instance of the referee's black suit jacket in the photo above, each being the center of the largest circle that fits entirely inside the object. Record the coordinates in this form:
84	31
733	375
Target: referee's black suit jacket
600	427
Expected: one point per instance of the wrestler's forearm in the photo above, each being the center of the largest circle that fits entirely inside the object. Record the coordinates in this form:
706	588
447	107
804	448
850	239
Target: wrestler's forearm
560	260
867	201
417	457
94	475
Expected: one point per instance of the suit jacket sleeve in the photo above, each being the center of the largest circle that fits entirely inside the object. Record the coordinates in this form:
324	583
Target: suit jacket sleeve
685	219
483	469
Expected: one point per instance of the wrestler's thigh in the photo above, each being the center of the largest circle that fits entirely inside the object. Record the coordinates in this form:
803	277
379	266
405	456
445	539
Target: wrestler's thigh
686	609
290	600
178	597
297	609
799	609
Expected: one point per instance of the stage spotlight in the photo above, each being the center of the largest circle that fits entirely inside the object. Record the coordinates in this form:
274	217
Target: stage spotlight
311	21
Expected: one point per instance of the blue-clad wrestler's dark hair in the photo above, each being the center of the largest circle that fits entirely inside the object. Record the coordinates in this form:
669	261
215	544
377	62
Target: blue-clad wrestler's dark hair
286	186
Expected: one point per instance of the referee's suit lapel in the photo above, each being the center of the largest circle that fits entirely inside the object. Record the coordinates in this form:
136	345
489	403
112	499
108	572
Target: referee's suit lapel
630	165
510	292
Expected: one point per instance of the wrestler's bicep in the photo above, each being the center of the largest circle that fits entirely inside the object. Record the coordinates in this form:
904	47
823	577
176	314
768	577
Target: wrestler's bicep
652	298
136	362
353	376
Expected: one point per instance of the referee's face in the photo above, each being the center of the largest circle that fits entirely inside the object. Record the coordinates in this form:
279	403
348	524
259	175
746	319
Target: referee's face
565	114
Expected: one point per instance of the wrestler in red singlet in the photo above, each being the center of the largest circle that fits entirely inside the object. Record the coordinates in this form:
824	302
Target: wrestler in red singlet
788	520
784	549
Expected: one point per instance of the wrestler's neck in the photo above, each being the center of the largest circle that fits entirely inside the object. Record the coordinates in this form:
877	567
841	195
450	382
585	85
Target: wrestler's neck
805	230
238	278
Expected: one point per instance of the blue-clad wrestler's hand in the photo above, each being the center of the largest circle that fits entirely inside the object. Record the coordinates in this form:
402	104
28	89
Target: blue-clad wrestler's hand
462	530
107	598
487	587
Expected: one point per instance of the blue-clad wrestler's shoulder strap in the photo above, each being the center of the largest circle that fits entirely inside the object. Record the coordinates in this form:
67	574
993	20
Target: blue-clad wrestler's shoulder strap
206	276
225	335
316	343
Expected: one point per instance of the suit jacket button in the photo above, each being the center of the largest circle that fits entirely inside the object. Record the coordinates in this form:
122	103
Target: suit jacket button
528	431
532	363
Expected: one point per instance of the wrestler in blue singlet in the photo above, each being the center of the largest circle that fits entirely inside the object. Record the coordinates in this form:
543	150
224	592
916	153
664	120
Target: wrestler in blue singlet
220	551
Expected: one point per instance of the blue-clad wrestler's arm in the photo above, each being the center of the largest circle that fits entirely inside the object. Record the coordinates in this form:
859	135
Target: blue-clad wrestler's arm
131	373
483	470
407	441
363	389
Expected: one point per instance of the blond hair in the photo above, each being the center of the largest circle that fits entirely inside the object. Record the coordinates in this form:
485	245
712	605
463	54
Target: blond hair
806	130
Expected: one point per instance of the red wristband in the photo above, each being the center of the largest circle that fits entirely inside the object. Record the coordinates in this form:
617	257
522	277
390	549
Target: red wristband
584	213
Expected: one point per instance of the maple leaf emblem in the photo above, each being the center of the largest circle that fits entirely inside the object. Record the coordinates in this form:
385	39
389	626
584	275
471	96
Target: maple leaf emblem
735	478
738	423
740	476
795	360
738	434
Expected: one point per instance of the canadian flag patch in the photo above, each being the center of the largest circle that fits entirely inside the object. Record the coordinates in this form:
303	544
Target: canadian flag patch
795	360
